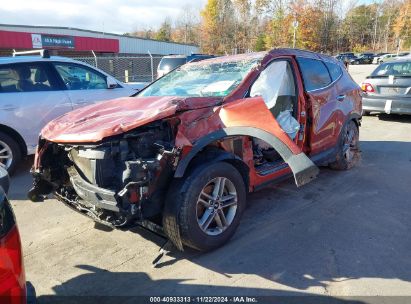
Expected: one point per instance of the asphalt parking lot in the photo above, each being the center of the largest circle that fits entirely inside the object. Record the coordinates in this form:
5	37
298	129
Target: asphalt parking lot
344	234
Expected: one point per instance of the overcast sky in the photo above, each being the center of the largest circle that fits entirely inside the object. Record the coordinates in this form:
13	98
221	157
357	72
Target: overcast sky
118	16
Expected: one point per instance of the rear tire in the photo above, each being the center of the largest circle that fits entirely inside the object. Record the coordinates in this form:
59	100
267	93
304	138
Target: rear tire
10	153
212	198
348	153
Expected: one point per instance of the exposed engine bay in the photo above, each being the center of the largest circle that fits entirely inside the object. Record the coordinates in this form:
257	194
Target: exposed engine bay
114	182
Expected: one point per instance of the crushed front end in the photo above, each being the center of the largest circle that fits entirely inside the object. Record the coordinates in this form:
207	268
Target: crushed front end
118	181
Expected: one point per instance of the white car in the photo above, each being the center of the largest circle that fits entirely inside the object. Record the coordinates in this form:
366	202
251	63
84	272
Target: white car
387	57
37	89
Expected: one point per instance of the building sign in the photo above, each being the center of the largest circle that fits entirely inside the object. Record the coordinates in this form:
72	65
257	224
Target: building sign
47	41
36	41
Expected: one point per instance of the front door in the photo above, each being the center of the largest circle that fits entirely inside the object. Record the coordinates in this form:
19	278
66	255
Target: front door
86	86
274	116
30	97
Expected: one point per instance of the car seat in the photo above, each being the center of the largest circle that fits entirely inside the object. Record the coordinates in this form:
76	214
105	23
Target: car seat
24	82
40	77
283	103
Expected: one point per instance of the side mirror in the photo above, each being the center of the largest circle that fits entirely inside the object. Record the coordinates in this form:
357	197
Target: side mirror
111	83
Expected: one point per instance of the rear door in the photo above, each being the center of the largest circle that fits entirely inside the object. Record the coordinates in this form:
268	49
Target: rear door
324	100
86	86
30	96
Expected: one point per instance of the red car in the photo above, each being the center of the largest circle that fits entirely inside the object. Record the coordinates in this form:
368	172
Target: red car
180	156
13	286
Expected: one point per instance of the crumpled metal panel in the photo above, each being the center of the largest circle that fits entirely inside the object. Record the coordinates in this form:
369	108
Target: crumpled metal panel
95	122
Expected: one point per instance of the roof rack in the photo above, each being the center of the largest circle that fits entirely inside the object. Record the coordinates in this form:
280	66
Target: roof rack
42	53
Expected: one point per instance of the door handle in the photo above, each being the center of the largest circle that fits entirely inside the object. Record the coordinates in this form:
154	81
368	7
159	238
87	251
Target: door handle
81	101
340	97
9	108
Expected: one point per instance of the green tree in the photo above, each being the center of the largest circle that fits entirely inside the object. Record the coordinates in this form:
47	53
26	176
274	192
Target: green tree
164	32
260	43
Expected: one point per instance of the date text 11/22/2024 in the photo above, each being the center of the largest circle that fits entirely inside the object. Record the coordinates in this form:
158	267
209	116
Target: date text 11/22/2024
203	299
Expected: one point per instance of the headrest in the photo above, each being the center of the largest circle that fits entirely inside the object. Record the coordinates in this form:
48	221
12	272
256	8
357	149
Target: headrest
40	76
23	73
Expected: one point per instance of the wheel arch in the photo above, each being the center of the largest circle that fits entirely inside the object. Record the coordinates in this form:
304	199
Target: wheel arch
211	154
16	136
356	118
303	168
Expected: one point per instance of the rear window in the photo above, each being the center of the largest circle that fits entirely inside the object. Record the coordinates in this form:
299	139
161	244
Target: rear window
315	74
334	69
171	63
29	77
401	69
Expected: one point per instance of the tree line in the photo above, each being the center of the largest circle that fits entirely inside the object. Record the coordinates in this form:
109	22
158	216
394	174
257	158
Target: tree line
328	26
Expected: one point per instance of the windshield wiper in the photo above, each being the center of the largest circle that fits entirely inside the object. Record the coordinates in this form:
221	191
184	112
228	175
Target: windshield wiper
386	76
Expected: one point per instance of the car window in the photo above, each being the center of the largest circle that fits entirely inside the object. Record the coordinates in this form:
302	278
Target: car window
27	77
334	69
315	74
274	83
171	63
77	77
393	68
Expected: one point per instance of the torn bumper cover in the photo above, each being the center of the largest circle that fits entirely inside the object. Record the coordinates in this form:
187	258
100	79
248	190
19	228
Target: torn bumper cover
92	194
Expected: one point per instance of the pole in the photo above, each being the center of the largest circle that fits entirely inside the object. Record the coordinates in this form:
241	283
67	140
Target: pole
375	27
152	66
295	29
95	57
295	25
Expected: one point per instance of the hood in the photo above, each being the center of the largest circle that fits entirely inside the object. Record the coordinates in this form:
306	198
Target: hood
95	122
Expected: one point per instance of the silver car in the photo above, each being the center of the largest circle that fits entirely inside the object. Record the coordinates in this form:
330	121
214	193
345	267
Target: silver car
388	88
37	89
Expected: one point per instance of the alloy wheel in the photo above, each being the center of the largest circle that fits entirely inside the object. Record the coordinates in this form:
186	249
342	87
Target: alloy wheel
216	206
6	155
350	144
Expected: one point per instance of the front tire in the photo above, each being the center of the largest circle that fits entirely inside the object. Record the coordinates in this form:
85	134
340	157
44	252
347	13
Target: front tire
348	153
212	198
10	153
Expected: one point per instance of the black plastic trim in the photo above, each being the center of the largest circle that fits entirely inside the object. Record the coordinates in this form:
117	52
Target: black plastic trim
303	168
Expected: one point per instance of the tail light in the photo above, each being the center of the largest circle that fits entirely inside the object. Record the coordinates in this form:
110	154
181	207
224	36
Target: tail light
367	87
12	276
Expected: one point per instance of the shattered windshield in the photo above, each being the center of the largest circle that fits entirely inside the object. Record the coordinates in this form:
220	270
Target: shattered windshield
214	78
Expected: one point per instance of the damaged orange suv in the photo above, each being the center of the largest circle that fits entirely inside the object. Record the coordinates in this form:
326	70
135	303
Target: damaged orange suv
180	157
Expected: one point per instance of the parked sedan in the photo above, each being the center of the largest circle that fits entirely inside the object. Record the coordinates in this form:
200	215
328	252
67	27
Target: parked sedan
345	57
181	156
388	88
362	59
37	89
387	57
377	58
